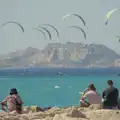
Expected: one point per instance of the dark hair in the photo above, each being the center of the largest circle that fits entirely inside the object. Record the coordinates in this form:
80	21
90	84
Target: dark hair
110	82
91	86
13	91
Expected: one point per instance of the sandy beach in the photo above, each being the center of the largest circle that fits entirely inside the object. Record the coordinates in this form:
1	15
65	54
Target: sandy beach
69	113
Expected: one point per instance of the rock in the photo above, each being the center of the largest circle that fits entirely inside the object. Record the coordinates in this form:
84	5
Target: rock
70	113
104	115
77	114
66	117
95	107
57	117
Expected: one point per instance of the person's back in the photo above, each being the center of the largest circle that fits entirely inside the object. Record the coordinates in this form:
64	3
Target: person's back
110	96
14	102
11	103
93	97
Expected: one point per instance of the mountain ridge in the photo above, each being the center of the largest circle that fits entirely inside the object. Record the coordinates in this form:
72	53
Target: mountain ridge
67	55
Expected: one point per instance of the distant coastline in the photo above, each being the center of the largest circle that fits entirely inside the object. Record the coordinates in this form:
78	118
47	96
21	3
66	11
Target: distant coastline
46	71
57	55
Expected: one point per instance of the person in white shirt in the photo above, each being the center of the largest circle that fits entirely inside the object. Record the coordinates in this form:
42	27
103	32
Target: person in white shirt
91	95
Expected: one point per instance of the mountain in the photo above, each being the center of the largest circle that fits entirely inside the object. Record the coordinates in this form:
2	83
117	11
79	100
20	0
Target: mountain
63	55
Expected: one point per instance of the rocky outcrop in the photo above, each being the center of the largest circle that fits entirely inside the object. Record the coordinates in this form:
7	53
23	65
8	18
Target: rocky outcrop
70	113
62	55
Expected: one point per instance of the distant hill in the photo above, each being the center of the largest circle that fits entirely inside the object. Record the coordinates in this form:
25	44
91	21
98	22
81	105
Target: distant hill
63	55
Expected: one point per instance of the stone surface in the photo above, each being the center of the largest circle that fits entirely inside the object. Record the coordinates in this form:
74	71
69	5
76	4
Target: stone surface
70	113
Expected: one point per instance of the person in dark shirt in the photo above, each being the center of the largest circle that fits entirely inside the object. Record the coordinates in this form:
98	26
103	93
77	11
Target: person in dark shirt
110	96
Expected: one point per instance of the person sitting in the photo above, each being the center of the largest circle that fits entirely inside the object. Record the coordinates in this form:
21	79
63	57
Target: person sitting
92	96
110	96
13	102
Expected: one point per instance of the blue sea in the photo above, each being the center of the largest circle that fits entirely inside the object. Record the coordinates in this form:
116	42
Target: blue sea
54	86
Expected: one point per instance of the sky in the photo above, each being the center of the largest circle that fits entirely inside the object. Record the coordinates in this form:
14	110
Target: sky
32	13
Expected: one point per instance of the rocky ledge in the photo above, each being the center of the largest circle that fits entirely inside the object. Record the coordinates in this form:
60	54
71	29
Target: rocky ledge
69	113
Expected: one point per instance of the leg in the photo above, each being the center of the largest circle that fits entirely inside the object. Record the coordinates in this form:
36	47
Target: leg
84	103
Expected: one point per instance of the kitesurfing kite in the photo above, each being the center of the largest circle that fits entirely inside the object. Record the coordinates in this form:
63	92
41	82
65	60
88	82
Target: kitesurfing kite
75	15
79	28
48	32
118	38
13	22
41	32
52	27
109	14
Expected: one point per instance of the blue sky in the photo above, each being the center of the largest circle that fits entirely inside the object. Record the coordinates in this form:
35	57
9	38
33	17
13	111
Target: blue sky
31	13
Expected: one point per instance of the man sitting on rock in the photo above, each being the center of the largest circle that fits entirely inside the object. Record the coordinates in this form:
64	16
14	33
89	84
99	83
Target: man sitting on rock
110	96
13	102
92	96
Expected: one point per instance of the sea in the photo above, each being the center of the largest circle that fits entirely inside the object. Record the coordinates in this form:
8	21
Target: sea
59	87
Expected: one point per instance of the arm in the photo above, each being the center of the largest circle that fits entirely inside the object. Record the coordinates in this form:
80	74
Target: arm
117	93
85	91
4	103
103	95
19	100
84	97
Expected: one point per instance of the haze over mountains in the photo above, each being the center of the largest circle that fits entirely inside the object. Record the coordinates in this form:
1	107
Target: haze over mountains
71	55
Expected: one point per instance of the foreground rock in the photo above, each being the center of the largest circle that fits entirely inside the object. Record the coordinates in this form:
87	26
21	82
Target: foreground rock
70	113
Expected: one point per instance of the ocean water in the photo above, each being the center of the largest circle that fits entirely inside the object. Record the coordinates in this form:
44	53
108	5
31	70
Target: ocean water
54	87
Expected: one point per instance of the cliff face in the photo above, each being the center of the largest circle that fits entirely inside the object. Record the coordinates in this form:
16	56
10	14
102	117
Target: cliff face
62	55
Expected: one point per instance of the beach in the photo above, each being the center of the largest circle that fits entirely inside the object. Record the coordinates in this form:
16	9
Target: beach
94	112
57	57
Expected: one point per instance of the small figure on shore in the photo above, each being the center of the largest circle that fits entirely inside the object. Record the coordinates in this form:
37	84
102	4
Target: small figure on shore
92	96
110	96
12	102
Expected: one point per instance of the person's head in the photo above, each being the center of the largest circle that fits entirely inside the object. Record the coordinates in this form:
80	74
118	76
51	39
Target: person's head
110	83
91	87
13	91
